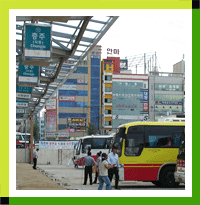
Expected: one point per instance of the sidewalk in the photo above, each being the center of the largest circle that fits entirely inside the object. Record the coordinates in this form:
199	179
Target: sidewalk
51	177
30	179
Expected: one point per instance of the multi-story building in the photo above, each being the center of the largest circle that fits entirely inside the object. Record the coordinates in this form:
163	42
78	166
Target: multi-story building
79	97
124	96
166	94
179	67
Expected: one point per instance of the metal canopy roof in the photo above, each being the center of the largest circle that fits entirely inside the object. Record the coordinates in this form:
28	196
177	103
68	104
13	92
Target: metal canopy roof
72	38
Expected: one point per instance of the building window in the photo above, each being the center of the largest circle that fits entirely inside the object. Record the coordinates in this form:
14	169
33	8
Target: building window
107	100
107	123
108	112
173	98
107	89
108	78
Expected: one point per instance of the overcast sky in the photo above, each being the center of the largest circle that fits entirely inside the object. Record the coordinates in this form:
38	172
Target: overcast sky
166	32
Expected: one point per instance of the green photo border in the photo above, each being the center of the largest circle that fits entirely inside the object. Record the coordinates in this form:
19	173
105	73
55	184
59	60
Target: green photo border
5	5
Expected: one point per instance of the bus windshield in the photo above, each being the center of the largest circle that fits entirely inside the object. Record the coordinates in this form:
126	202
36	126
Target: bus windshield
96	143
19	137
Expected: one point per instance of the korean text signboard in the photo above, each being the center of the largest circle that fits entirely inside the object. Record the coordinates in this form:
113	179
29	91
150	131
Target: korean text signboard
145	95
51	121
58	144
76	124
23	92
37	41
111	51
20	103
28	74
51	105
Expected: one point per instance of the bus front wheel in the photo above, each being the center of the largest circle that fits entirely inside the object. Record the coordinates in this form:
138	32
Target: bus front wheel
166	178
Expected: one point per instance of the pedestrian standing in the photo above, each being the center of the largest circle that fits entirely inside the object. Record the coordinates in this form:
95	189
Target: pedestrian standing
89	163
97	165
35	156
114	159
103	172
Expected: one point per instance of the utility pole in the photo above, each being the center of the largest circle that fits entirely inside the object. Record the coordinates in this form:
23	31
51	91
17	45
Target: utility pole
31	141
25	121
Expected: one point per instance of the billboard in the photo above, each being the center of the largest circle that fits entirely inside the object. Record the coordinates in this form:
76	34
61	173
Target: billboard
123	64
127	101
76	124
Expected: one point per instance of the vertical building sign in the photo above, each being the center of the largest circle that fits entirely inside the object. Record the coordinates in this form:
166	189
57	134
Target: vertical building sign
51	121
145	95
145	107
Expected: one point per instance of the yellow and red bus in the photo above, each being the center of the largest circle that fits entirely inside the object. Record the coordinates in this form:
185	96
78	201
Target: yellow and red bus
148	151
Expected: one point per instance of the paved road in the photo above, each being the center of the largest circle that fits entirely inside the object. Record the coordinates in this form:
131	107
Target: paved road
71	178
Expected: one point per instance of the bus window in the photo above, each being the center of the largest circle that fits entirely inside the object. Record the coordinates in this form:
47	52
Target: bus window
85	144
177	139
162	136
134	144
181	154
19	137
95	143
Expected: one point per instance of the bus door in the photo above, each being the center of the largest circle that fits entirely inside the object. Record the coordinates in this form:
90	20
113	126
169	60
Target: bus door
133	148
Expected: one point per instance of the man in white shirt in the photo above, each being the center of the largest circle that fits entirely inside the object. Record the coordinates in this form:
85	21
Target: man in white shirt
35	156
114	160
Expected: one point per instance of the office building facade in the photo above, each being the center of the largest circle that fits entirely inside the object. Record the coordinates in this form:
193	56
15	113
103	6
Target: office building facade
166	95
79	97
124	95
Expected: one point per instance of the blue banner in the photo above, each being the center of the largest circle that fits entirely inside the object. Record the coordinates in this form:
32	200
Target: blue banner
145	95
